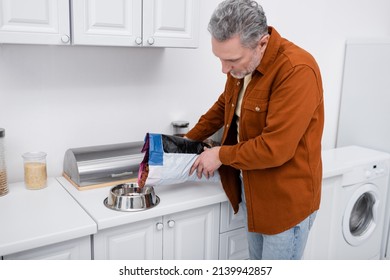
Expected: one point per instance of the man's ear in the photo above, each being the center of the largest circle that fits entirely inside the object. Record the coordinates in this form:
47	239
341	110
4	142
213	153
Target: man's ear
264	41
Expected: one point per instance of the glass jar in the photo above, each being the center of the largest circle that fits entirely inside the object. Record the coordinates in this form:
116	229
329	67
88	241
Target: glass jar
35	174
180	128
3	171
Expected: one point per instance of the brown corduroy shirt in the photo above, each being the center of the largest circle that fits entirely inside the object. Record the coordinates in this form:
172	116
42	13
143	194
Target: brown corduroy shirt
281	124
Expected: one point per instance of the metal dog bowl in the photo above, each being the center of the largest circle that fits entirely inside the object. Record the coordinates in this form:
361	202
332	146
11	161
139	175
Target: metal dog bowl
131	197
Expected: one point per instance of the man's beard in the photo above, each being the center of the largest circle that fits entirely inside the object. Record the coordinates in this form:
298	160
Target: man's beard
251	67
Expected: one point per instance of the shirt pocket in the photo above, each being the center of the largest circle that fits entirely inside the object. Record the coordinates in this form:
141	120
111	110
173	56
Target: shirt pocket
253	114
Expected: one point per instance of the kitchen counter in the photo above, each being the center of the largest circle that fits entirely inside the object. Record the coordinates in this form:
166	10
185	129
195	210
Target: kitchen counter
173	198
60	212
35	218
189	195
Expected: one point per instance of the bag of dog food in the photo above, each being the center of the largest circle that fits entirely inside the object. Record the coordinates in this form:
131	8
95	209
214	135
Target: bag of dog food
168	160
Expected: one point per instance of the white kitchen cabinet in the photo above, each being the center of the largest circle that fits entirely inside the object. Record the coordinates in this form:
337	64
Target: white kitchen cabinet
76	249
34	22
173	23
191	234
136	241
155	23
107	22
233	244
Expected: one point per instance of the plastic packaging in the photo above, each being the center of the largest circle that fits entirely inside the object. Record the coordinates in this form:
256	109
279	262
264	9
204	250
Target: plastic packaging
168	160
35	174
3	170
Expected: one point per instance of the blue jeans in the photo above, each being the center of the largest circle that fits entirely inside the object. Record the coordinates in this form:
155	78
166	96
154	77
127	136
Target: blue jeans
288	245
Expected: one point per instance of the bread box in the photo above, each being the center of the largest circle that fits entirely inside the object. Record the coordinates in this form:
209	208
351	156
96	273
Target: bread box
105	165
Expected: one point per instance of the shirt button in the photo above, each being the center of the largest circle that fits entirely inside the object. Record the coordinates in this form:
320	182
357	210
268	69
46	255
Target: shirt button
257	109
238	83
227	125
232	105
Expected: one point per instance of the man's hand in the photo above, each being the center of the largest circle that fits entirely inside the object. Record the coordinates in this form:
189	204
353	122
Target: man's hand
207	162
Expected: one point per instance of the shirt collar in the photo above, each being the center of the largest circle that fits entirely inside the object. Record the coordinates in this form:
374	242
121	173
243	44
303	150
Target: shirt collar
271	50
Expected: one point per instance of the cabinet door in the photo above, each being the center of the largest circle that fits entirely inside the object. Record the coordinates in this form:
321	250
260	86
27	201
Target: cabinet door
318	245
192	234
136	241
233	245
229	220
34	22
173	23
107	22
76	249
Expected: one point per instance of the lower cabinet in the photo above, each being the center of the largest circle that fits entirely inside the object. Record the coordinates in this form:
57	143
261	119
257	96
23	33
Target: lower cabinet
211	232
75	249
233	244
192	234
137	241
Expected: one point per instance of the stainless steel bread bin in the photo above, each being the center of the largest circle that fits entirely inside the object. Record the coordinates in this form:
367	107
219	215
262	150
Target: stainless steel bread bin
103	165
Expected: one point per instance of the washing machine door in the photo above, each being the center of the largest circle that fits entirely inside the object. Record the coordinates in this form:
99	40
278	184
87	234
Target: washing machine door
361	214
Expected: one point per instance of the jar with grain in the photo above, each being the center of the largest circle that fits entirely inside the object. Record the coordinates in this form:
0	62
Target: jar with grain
3	171
35	174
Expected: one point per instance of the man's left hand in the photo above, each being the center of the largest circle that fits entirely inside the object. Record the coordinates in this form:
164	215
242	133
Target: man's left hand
207	162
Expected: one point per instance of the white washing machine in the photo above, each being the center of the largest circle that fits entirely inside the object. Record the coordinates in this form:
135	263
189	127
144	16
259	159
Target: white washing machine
351	221
386	241
386	237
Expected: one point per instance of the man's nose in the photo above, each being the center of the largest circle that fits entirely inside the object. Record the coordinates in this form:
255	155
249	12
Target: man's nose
226	67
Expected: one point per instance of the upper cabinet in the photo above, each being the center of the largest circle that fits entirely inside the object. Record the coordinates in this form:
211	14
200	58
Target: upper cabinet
34	22
172	23
157	23
107	22
153	23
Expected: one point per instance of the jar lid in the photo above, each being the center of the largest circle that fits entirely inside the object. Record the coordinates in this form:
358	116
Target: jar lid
2	132
34	156
180	123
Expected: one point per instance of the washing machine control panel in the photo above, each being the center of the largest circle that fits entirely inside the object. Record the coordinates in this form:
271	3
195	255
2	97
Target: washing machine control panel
374	171
366	172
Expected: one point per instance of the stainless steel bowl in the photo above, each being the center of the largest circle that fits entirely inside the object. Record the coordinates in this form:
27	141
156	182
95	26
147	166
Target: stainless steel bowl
131	197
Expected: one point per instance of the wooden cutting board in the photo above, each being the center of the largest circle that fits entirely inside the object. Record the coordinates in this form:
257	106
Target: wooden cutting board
90	187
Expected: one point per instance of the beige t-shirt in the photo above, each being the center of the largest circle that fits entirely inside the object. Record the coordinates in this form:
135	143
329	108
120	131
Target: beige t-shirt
247	79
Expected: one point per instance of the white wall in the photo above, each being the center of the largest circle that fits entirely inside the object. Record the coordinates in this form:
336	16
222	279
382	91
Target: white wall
57	97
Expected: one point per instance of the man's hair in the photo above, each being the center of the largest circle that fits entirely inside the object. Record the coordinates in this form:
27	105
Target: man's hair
245	18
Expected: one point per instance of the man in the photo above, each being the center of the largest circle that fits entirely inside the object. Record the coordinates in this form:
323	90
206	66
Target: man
272	113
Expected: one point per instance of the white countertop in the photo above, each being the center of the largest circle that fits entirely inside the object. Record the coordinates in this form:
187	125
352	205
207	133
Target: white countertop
35	218
173	198
189	195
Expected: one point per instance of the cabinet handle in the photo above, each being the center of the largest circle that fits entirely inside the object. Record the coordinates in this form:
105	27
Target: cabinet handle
65	39
151	41
159	226
171	223
138	41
